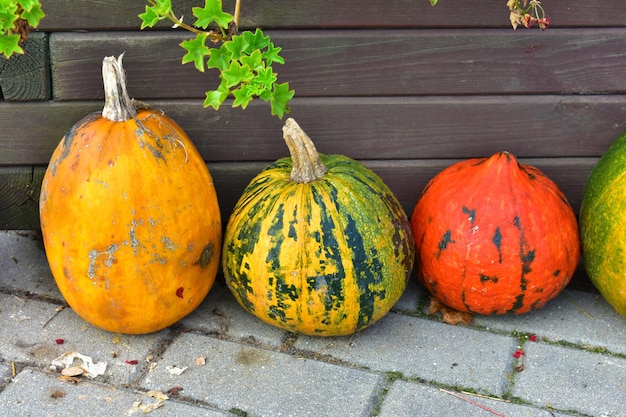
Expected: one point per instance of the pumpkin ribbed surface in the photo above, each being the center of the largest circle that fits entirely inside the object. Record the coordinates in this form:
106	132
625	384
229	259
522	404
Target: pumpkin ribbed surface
602	217
493	236
130	222
326	257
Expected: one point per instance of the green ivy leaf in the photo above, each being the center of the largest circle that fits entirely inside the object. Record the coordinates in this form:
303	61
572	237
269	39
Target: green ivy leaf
237	46
433	2
8	16
10	44
33	15
242	96
159	10
244	61
219	58
271	55
215	98
27	5
196	51
281	96
236	74
149	18
254	61
211	12
256	40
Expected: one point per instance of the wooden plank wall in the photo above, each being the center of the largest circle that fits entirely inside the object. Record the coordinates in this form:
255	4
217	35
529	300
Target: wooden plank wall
405	87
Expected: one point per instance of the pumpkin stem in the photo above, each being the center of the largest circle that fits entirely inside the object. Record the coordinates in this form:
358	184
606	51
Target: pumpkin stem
117	103
307	165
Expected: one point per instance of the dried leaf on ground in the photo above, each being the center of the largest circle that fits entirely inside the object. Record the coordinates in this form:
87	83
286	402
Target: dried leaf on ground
175	370
146	408
89	368
450	315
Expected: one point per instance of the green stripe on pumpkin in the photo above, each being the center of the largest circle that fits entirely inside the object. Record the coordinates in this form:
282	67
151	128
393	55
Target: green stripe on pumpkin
329	257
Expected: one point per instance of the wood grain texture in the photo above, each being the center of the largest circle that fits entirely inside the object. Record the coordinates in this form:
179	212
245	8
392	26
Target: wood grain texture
19	186
19	197
362	128
112	14
27	77
363	63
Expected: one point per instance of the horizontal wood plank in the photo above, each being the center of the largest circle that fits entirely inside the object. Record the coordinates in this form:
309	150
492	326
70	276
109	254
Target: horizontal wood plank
20	186
363	63
362	128
105	15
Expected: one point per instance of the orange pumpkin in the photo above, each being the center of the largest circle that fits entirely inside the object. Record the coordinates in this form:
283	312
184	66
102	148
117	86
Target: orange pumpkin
129	216
493	235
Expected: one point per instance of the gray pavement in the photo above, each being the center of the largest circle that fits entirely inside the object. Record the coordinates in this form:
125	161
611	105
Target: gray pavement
221	361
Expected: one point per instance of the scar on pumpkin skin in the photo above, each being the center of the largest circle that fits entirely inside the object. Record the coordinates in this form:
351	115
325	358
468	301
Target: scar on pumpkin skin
172	138
447	238
205	256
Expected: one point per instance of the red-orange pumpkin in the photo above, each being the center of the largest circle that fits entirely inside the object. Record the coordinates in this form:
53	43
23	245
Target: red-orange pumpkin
493	235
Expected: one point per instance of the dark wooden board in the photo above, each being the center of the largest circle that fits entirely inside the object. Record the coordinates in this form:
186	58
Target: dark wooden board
20	185
20	188
363	128
27	77
19	197
363	63
103	14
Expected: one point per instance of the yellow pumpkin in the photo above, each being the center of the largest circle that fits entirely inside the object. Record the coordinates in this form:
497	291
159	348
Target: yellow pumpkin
129	216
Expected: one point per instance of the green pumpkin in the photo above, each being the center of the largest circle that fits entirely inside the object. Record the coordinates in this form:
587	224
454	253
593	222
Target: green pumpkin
317	244
602	231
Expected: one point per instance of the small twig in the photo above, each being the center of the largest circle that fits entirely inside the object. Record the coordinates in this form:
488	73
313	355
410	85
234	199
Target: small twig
454	394
56	312
485	397
237	12
571	300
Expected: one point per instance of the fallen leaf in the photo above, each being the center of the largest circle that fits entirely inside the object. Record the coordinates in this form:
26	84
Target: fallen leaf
450	315
200	360
72	371
146	408
72	379
175	370
90	369
158	395
174	390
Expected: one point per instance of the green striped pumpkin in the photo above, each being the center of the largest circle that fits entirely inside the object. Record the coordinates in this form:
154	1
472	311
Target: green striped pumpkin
317	244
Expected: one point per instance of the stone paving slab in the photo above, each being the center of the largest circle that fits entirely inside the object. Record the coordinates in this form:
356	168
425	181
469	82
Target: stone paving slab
24	265
407	399
574	316
221	315
262	382
5	374
25	339
37	394
425	349
577	366
572	380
